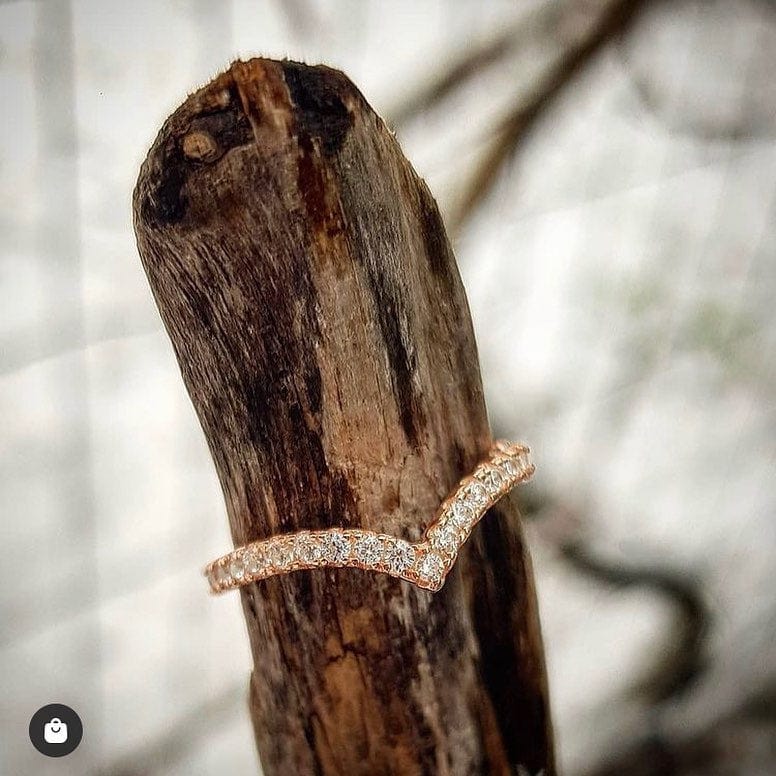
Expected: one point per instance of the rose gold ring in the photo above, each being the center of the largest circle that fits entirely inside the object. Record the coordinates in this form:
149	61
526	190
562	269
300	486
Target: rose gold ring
425	563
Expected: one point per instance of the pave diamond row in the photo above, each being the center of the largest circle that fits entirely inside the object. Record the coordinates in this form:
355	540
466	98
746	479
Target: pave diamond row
425	563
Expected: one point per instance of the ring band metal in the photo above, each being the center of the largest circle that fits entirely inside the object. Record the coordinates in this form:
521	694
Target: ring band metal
425	563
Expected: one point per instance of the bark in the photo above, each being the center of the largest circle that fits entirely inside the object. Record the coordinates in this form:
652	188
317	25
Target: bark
308	287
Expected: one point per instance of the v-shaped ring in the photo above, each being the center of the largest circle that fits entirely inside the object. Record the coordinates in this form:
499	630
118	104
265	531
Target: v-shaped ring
425	563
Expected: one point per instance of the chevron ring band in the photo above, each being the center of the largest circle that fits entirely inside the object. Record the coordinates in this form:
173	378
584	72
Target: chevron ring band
425	563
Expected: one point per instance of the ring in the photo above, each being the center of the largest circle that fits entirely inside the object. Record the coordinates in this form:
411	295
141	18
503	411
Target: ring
425	563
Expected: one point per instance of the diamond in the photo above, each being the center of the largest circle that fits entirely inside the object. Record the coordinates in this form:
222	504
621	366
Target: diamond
509	465
400	556
369	549
286	552
281	554
476	494
236	567
221	575
431	567
211	577
336	548
445	538
271	554
460	515
252	560
492	478
308	550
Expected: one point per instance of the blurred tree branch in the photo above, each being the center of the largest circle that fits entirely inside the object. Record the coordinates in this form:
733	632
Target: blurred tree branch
470	64
579	30
685	661
587	37
744	742
564	527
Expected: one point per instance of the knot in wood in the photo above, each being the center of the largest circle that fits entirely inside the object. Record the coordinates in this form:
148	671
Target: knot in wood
200	146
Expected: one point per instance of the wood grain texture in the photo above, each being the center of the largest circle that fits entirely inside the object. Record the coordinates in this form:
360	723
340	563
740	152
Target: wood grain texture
308	287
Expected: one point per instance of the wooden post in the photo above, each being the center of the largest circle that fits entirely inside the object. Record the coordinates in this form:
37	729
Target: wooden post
304	276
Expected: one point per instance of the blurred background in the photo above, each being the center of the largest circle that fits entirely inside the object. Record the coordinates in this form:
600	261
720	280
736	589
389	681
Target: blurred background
607	170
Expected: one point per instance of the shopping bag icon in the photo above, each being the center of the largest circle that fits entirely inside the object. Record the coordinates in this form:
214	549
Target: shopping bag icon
55	732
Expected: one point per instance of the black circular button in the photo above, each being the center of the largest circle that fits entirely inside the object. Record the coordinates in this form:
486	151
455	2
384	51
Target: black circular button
55	730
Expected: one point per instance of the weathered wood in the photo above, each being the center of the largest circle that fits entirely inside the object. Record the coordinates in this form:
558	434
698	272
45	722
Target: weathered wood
304	276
